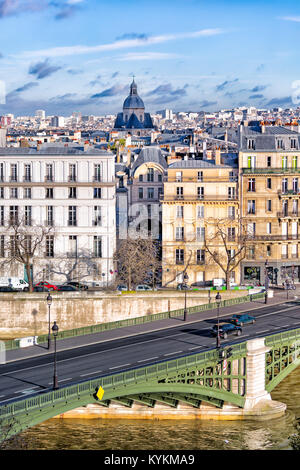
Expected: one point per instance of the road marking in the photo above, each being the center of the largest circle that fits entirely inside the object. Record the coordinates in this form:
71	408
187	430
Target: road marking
197	347
264	331
175	352
96	372
64	380
149	359
117	367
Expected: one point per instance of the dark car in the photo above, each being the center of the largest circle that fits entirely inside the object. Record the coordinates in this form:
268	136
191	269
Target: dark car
78	285
66	288
226	329
182	287
7	289
242	319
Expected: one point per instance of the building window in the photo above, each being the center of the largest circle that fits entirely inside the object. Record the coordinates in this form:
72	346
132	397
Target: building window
251	144
13	215
293	143
141	178
49	193
150	175
2	245
295	162
160	193
28	216
284	162
179	254
1	192
269	162
269	205
284	251
97	247
27	172
251	185
2	216
97	193
49	246
280	144
269	228
231	212
295	207
178	176
72	172
200	192
27	193
251	252
73	192
179	233
179	192
13	193
251	162
295	185
269	183
72	219
13	172
141	193
97	172
50	216
200	234
284	185
1	171
200	256
231	234
179	212
251	207
200	176
200	212
97	216
150	192
159	178
49	173
269	250
72	246
231	193
251	229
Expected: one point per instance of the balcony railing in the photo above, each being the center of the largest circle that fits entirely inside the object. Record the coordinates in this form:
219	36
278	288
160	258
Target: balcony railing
283	214
288	192
267	171
274	237
207	197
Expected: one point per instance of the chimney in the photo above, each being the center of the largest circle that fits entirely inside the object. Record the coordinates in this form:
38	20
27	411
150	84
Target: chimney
218	156
262	127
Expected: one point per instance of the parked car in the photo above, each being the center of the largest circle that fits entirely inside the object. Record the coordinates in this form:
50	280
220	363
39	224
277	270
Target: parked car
243	319
78	285
67	287
39	289
182	286
122	287
14	282
7	289
46	285
226	329
142	287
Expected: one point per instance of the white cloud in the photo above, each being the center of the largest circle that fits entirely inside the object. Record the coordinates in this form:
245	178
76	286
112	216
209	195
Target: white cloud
291	18
123	44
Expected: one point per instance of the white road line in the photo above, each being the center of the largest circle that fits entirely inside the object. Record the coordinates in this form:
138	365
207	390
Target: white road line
175	352
197	347
90	373
64	380
117	367
264	331
149	359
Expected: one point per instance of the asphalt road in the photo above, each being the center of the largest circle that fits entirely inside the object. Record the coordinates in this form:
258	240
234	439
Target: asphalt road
25	377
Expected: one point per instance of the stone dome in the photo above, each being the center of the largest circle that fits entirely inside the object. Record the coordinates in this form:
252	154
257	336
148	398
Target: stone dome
133	101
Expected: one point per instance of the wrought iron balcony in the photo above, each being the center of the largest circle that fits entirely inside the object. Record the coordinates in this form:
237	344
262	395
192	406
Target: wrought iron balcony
285	214
267	171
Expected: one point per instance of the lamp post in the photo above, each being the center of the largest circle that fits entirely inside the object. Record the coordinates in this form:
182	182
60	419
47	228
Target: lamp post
55	332
266	281
218	300
49	302
185	278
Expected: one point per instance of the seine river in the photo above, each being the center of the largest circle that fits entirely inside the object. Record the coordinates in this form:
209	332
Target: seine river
172	435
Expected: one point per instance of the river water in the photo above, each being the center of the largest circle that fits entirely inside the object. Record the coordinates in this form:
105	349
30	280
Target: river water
100	434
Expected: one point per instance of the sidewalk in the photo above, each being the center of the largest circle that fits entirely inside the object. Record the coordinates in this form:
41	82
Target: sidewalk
280	296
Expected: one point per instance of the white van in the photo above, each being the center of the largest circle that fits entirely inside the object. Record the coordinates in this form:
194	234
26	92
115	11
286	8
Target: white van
14	282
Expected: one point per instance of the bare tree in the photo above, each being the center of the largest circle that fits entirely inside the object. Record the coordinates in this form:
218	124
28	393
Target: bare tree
75	267
136	258
24	243
226	242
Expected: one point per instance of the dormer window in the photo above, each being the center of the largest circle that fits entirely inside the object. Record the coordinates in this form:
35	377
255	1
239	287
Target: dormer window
280	144
251	144
293	143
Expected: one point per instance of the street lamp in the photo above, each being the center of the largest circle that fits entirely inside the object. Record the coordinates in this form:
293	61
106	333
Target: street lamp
266	281
49	302
218	301
55	333
185	278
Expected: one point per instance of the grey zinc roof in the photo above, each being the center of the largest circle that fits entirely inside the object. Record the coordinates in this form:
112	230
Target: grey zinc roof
150	154
267	141
198	164
64	151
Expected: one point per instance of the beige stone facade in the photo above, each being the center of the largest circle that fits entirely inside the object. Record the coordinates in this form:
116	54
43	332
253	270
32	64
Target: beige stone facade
197	193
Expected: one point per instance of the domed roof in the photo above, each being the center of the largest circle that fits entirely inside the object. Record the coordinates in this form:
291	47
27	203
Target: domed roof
133	101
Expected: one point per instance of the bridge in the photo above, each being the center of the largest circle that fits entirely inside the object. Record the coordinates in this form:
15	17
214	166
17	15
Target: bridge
242	374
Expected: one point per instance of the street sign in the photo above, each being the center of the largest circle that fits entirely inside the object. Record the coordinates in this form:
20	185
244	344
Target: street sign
100	393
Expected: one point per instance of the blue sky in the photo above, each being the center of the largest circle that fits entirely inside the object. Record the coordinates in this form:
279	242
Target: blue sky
192	55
